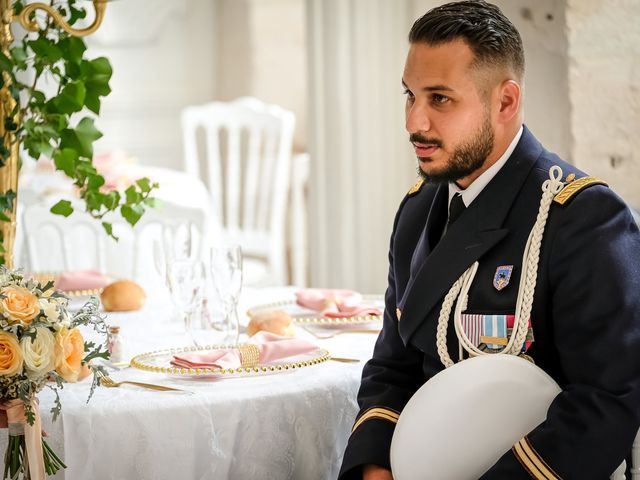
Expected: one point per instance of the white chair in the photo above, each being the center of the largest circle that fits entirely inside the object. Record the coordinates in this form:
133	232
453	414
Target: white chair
245	162
77	242
298	220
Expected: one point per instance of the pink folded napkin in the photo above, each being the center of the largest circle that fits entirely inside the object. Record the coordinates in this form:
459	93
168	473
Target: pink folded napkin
81	280
271	347
335	303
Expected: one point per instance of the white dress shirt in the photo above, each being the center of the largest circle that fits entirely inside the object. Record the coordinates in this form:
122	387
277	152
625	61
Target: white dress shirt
470	193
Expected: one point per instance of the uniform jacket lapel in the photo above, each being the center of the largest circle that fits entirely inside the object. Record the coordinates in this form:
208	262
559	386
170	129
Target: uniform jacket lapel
480	227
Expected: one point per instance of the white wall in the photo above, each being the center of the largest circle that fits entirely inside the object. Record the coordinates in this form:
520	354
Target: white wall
262	52
604	76
163	58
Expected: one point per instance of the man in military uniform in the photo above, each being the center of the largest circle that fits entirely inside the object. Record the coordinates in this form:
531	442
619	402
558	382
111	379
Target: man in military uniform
482	173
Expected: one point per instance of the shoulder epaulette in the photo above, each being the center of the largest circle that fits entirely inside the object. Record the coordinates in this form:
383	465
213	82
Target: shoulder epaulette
416	188
573	187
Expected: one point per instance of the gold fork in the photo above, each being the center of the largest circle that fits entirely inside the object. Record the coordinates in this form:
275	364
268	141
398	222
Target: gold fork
340	332
110	383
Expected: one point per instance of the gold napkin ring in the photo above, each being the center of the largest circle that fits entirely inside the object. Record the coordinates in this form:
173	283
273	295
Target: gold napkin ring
249	355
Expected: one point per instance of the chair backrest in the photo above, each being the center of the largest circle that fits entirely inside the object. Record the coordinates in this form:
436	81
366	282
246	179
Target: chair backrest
56	243
245	161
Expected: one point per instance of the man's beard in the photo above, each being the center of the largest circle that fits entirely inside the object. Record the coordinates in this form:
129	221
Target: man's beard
465	159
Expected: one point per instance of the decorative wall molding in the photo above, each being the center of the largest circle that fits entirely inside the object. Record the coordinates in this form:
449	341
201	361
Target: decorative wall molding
137	22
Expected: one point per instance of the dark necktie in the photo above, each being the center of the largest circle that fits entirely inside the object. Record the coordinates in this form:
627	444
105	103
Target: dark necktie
456	207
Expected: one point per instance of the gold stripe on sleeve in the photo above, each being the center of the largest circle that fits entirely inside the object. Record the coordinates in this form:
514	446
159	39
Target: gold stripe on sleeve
542	465
527	463
377	412
524	450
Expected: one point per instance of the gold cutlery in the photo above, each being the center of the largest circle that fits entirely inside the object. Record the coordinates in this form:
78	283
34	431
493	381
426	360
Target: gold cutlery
338	332
345	360
109	382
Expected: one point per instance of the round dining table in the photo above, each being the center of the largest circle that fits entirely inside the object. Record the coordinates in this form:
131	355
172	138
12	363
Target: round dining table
290	424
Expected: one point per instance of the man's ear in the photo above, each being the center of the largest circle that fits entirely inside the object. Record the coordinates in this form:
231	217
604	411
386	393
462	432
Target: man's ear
509	96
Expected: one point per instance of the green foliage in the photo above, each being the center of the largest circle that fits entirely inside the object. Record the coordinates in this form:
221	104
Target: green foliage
63	207
61	126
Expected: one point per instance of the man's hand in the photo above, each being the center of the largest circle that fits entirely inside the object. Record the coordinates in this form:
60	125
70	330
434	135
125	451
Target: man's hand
375	472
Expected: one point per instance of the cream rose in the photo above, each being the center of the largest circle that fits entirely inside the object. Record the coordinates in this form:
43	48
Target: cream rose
50	309
19	305
10	354
69	352
39	352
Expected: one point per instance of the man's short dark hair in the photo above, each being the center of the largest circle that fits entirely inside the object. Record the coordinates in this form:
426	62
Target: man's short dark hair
490	35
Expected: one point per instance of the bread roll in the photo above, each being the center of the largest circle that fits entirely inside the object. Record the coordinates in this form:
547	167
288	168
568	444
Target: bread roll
274	321
123	296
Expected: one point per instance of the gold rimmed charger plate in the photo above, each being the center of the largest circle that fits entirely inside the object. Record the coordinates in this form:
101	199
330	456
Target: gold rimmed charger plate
159	362
44	277
306	316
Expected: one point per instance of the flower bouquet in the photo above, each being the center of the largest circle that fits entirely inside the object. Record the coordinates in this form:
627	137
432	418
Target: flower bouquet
40	346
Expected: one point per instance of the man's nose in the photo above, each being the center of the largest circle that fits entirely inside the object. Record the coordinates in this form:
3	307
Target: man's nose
417	119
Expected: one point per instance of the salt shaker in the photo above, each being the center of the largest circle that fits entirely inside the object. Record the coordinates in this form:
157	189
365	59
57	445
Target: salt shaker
116	348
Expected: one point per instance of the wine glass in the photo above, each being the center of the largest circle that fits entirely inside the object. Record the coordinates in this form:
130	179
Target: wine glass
160	259
209	324
175	243
226	276
186	281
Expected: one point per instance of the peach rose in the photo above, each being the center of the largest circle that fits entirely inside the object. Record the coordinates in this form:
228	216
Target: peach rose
19	305
39	352
69	353
10	354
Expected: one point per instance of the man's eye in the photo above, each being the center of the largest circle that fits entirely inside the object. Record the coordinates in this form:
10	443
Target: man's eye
439	99
408	93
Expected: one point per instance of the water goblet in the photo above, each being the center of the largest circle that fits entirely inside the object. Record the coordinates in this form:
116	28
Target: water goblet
186	281
226	276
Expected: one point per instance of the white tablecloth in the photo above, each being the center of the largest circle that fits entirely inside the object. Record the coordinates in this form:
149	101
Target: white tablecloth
290	425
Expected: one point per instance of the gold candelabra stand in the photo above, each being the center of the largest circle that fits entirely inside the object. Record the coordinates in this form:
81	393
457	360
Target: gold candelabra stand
9	172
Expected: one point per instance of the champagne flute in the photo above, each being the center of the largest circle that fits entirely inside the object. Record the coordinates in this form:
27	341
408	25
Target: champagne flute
160	260
186	281
226	275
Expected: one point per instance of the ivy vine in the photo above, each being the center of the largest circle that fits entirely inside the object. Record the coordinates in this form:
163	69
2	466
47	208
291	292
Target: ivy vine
61	126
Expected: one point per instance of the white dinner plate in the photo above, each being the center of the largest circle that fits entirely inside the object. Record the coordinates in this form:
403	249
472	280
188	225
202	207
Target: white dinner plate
307	316
160	362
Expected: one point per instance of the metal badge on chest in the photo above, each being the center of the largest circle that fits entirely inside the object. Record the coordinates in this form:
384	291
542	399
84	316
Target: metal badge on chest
502	276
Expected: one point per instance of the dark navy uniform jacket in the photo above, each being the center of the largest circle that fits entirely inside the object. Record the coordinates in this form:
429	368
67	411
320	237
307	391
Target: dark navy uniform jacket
585	316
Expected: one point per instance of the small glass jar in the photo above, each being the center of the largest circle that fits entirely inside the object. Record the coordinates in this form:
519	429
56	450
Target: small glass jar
115	346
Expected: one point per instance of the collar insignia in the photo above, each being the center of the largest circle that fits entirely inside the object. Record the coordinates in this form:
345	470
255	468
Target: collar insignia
416	188
502	276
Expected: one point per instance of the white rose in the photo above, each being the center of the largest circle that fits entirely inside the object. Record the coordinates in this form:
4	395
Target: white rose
39	352
65	319
50	310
